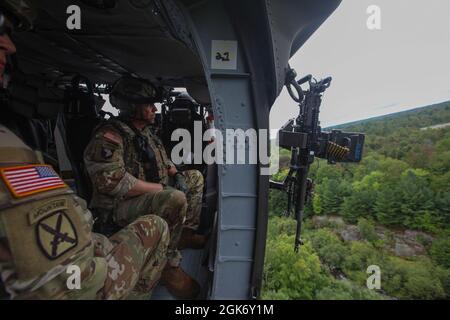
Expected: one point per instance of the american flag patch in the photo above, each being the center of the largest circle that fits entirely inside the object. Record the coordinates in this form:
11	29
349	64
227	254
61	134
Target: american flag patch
26	180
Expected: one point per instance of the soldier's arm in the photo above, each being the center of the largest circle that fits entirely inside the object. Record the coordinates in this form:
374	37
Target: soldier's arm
103	158
104	162
142	187
171	168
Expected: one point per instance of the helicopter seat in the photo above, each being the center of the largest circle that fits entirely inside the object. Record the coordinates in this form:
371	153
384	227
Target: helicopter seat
76	123
30	112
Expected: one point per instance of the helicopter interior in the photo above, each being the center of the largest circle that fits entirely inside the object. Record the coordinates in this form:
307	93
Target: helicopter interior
64	68
55	93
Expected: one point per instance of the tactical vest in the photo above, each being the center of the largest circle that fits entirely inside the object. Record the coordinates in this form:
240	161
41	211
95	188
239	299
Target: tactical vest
47	229
134	165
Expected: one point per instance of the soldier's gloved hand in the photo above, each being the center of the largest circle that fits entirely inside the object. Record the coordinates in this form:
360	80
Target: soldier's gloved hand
180	182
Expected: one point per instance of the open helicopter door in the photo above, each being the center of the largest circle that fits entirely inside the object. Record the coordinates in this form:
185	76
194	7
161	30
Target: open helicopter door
244	47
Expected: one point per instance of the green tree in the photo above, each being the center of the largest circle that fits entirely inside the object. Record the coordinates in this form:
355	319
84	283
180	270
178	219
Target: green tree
362	197
444	276
330	249
281	226
367	229
417	200
359	204
442	202
332	194
411	279
441	162
440	251
391	170
346	290
317	200
289	274
388	205
326	171
361	256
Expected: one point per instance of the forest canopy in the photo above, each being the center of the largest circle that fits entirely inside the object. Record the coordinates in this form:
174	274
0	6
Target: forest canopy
401	187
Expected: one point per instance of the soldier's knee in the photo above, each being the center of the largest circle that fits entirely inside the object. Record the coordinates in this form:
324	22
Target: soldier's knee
199	178
151	229
165	233
178	199
163	229
195	179
155	221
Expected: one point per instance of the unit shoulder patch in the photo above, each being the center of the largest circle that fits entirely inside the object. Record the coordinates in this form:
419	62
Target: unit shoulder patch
107	153
56	235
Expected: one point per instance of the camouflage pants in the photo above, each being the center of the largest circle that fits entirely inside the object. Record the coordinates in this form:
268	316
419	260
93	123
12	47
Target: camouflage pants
135	257
170	204
194	182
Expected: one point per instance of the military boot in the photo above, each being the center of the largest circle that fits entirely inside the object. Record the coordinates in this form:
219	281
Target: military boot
190	239
179	283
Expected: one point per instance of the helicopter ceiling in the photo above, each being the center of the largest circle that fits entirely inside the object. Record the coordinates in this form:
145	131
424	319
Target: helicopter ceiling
151	39
133	37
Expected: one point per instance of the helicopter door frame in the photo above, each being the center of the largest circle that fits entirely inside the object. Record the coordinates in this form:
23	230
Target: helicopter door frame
242	192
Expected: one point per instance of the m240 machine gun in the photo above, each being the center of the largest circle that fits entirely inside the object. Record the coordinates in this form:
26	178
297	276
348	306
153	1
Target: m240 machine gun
304	137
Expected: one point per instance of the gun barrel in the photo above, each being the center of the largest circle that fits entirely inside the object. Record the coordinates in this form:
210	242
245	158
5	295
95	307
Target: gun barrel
304	79
327	80
302	176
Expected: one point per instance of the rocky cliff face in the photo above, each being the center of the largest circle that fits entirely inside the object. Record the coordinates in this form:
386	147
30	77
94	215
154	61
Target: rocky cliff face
403	243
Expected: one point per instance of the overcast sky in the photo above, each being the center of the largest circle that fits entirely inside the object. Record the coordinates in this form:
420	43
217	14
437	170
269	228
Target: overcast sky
404	65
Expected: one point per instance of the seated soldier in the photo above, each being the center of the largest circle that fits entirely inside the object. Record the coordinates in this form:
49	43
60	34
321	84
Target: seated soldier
131	176
45	228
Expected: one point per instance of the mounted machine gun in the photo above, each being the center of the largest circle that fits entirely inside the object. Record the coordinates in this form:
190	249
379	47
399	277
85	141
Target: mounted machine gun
305	139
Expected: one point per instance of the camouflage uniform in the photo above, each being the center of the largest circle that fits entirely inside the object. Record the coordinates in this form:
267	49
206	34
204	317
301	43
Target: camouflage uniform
194	182
136	256
114	165
44	232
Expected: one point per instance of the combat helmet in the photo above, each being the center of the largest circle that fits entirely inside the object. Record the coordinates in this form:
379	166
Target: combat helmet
129	92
